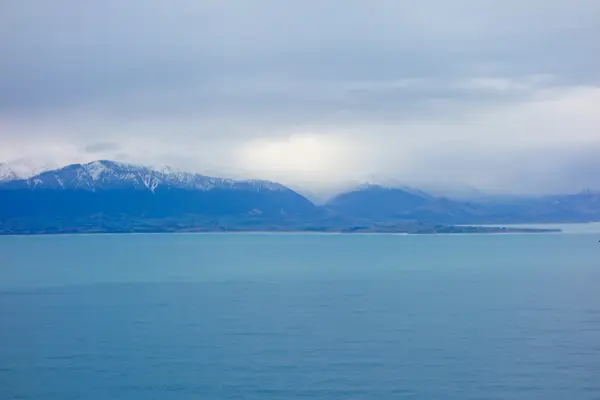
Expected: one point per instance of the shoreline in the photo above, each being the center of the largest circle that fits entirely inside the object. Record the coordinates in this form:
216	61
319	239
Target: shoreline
307	233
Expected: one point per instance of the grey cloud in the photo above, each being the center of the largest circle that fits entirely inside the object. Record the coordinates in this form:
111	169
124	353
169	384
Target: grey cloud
286	102
101	147
67	52
417	91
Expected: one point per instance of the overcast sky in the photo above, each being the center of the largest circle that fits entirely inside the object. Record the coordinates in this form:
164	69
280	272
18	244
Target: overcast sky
499	95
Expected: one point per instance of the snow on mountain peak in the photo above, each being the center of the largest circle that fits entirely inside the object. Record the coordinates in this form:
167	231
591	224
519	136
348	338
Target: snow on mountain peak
7	173
95	169
166	169
104	174
24	168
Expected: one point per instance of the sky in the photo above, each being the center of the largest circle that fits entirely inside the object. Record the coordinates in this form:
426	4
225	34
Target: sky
502	96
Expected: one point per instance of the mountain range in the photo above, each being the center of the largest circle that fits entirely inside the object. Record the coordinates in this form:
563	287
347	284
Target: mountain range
373	202
109	196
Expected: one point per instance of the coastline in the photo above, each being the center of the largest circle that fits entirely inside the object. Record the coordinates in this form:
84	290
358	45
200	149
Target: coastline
293	232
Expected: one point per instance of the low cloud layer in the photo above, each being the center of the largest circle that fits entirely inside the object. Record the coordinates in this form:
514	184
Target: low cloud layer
501	96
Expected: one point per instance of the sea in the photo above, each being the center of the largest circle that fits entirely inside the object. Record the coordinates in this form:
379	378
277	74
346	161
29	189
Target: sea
301	316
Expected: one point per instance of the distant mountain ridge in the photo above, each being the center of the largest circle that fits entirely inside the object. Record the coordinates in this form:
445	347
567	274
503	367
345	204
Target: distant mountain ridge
110	196
388	204
375	201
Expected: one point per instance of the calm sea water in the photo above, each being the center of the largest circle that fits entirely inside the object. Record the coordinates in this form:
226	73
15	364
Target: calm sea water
300	317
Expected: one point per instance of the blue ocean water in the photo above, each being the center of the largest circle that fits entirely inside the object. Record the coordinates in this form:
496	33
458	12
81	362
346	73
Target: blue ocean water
300	317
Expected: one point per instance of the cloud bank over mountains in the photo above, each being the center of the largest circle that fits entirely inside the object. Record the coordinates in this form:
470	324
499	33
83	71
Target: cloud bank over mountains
502	96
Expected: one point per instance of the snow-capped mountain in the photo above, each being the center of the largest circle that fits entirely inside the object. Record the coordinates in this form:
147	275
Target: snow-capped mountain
23	168
103	175
134	192
7	173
